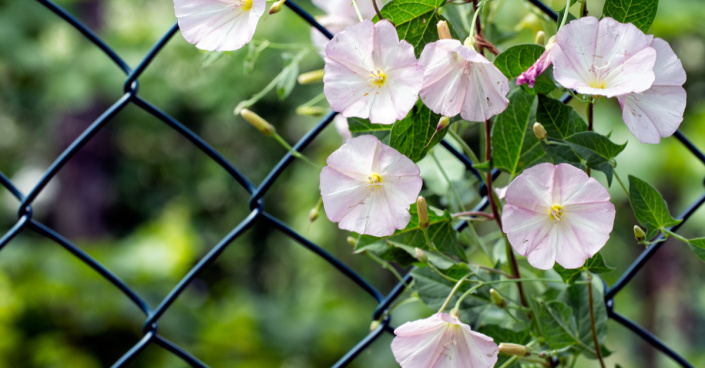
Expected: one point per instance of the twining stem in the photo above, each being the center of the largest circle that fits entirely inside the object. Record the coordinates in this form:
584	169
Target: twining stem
386	265
473	213
447	179
621	183
590	114
495	211
668	233
598	353
294	152
450	296
565	14
468	151
374	5
357	10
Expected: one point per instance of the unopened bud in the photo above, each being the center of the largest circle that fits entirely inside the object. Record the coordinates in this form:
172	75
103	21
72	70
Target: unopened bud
311	77
540	131
639	234
540	38
514	349
352	241
276	7
498	300
421	255
422	211
374	325
257	122
443	123
313	214
443	30
310	110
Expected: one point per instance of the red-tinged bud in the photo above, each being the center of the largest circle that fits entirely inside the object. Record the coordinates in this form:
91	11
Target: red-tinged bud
498	300
258	122
443	123
443	30
352	241
514	349
639	234
276	7
374	325
422	211
315	76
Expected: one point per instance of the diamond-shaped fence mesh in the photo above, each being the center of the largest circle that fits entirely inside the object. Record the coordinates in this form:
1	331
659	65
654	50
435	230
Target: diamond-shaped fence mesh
258	213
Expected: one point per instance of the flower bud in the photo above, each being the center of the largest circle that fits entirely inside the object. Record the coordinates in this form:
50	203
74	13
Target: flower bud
443	30
421	255
443	123
374	325
540	38
315	76
276	7
313	214
352	241
514	349
639	234
257	122
422	211
310	110
498	300
540	131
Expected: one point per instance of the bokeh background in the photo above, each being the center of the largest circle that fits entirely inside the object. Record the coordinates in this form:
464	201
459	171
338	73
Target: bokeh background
144	202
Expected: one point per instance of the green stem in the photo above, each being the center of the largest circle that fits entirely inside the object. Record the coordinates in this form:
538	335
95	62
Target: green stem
357	10
565	15
294	152
668	233
315	100
386	265
450	296
620	183
509	361
464	145
591	307
447	179
583	8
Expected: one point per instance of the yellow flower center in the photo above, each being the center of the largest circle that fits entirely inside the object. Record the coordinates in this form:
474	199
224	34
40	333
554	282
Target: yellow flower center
378	78
374	180
246	4
556	213
598	84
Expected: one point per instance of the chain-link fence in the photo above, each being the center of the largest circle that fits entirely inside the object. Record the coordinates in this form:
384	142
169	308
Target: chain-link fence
258	212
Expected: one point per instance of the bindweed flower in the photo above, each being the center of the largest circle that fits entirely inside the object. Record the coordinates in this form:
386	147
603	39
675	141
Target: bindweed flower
340	14
458	80
368	187
658	111
604	58
557	214
369	73
442	341
342	127
220	25
540	66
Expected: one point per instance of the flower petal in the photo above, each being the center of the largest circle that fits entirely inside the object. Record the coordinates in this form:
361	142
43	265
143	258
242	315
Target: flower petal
655	113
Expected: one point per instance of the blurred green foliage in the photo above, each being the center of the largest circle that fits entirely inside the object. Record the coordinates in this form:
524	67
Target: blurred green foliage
148	205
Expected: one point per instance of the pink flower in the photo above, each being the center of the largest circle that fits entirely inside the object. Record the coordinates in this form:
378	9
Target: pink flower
540	66
368	187
658	111
221	25
342	127
442	341
340	14
557	214
369	73
459	80
604	58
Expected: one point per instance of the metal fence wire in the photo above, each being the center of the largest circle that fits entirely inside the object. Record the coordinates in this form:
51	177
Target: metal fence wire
152	315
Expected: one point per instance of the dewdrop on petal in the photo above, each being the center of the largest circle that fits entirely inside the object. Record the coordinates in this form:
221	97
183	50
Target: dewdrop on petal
514	349
258	122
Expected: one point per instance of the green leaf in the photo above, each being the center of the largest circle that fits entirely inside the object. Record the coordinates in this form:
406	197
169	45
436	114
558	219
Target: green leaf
440	232
433	290
698	247
509	130
410	135
517	59
290	73
597	151
415	20
576	296
556	324
560	120
360	127
639	12
501	335
649	207
435	259
596	264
